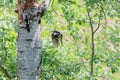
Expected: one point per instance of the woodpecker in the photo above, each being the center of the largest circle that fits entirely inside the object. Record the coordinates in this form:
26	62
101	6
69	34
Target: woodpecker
56	38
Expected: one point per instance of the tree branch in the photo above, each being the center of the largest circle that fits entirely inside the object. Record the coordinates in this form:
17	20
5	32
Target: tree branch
3	68
82	61
101	6
98	22
53	8
90	20
92	43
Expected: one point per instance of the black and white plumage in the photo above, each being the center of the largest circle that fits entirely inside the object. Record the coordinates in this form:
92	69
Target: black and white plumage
56	38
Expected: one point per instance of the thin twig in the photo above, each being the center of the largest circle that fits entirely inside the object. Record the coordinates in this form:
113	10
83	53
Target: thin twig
98	22
3	68
101	6
79	53
90	20
53	8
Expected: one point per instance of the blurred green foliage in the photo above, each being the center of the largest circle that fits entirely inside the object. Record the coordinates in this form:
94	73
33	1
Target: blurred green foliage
71	61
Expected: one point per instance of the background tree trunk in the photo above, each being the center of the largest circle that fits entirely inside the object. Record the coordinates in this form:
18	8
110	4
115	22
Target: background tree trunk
29	41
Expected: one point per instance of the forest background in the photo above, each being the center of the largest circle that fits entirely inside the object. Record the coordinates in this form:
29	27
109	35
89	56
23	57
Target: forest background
71	61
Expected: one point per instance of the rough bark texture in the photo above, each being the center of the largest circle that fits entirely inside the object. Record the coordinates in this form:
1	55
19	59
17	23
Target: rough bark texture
29	43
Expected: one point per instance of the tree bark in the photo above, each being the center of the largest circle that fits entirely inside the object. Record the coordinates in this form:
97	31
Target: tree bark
30	13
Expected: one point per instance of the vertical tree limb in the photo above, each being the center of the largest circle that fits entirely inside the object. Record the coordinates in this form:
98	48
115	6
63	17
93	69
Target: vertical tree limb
92	43
92	39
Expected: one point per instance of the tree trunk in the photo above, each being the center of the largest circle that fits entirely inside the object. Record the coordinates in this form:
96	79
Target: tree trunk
30	13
